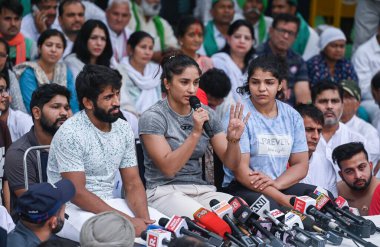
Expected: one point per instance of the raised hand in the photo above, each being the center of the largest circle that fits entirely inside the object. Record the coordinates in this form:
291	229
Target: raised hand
236	123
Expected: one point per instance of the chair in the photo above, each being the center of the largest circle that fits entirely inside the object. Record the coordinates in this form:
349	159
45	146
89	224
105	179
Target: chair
39	169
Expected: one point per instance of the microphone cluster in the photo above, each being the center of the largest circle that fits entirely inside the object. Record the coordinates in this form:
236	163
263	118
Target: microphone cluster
314	220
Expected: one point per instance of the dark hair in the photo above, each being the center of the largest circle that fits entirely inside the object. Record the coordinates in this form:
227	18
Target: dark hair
309	110
269	63
184	24
45	93
231	30
216	83
215	2
51	33
324	85
8	63
346	151
286	18
375	82
175	64
68	2
59	242
2	76
39	1
12	5
136	38
92	80
80	45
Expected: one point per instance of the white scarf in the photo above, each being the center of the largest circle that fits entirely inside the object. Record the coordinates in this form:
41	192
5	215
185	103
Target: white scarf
224	62
149	83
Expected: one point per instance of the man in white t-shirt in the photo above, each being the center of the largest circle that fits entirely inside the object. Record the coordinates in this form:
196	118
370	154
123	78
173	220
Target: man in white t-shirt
118	15
91	147
328	98
351	99
18	122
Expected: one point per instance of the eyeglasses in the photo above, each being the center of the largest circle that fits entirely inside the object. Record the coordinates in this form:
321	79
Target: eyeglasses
4	92
284	31
3	55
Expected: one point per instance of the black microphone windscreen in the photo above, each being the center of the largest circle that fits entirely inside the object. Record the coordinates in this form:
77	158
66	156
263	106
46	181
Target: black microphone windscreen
144	235
213	202
194	102
163	222
292	201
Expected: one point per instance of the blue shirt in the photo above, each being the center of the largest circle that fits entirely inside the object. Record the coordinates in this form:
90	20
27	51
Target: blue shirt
319	70
22	236
270	141
28	83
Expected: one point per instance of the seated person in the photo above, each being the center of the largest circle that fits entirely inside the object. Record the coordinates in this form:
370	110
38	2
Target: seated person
47	69
91	147
50	108
274	137
358	186
141	87
328	98
42	213
173	142
18	122
330	64
282	35
91	46
351	99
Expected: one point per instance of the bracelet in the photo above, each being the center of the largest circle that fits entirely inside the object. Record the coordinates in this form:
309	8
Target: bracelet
232	140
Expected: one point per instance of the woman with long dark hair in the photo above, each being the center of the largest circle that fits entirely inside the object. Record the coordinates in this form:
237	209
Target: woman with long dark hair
92	46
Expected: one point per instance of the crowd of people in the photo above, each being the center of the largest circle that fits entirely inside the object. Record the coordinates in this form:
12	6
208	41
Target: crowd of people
281	107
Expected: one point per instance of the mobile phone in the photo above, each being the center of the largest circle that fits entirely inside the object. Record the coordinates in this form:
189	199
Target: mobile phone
35	8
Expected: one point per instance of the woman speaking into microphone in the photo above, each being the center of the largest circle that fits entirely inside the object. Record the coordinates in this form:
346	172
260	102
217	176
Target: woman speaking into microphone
174	140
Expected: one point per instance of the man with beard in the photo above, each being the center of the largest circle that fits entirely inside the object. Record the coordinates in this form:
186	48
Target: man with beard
328	98
89	149
41	210
359	187
71	19
21	49
145	17
42	18
50	108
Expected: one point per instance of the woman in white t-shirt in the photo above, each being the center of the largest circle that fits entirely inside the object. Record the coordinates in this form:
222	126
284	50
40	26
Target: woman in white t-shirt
141	85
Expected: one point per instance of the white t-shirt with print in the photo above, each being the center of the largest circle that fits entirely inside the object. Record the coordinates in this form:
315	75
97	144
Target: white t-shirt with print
80	146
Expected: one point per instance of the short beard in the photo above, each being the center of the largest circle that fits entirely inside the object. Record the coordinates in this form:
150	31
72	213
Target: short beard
58	228
104	116
356	188
50	128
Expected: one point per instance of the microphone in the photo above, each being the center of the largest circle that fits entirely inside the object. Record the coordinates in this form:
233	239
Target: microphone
179	227
360	226
156	237
353	213
224	211
245	216
262	207
310	225
195	104
214	239
213	223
